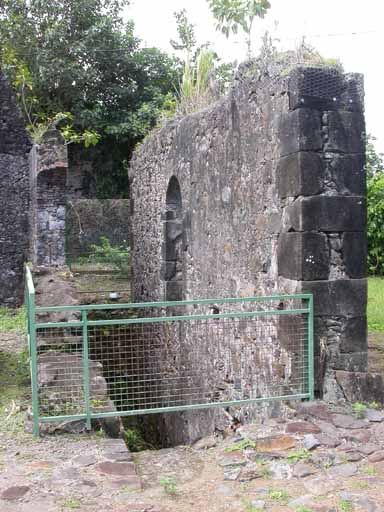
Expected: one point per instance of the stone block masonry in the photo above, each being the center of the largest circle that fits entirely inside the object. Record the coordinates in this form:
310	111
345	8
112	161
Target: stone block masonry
271	200
14	198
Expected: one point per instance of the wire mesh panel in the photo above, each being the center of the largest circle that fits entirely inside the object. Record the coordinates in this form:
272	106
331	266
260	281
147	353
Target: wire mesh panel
140	358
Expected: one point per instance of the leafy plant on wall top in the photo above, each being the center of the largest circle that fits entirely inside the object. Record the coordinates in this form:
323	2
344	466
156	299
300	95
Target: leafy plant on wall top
232	14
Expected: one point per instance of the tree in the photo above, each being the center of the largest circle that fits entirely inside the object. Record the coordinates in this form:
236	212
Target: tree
375	207
81	58
232	14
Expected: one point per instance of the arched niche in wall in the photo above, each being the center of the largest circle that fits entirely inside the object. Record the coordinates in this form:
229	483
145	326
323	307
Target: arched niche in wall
173	242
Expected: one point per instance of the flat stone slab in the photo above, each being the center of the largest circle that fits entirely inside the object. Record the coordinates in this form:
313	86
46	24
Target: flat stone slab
15	493
85	460
117	468
374	416
348	422
317	410
275	443
320	485
376	456
302	427
343	470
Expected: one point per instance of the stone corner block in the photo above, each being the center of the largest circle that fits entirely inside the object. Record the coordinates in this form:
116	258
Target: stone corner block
299	174
300	130
303	256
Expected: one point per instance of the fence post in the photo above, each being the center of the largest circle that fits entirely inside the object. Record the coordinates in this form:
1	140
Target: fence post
33	353
86	384
311	377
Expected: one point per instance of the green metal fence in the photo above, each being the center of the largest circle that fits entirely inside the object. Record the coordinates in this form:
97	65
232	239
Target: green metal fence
128	359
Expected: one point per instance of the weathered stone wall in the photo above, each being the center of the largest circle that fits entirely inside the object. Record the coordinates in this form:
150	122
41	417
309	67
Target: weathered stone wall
14	197
87	220
272	201
48	198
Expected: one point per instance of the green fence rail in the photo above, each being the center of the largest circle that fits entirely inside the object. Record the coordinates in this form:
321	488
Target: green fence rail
128	359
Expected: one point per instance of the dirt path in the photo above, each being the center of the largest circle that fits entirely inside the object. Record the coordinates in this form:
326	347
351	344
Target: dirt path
319	459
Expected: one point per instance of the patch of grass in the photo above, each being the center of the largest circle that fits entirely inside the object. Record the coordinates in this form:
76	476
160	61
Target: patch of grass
168	483
359	409
369	470
374	405
298	456
375	306
248	507
303	509
360	485
241	445
72	503
346	506
278	495
12	320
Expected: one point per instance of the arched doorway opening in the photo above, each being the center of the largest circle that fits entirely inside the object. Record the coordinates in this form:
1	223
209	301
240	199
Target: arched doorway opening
173	242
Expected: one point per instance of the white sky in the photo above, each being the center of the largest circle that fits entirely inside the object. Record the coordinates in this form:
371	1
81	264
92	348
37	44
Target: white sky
316	19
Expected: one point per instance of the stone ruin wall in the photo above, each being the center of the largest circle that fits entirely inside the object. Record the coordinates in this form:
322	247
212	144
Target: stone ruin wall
14	198
272	188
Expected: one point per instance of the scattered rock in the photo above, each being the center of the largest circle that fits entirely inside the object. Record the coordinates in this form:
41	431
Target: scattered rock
328	428
343	470
225	490
117	468
303	501
280	470
249	472
374	416
302	427
232	473
320	485
14	493
368	505
275	443
361	436
348	422
232	459
351	457
85	460
205	443
258	504
329	442
301	470
317	410
310	442
377	456
369	448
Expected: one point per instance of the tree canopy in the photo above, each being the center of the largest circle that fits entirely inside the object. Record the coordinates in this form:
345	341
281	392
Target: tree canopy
80	57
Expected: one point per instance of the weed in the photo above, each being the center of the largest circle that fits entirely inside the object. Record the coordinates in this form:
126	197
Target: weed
346	506
241	445
265	473
303	509
360	485
249	507
359	409
374	405
72	503
278	495
168	483
369	470
134	440
298	456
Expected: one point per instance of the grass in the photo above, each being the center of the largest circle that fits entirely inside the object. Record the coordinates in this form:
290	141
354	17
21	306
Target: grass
12	320
298	456
375	309
278	495
241	445
168	483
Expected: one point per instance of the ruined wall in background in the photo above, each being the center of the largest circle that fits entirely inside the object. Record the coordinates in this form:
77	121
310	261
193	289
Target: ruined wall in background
272	200
87	220
49	163
14	198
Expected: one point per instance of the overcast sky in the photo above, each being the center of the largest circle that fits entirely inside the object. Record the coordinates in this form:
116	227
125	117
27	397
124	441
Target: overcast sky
350	30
